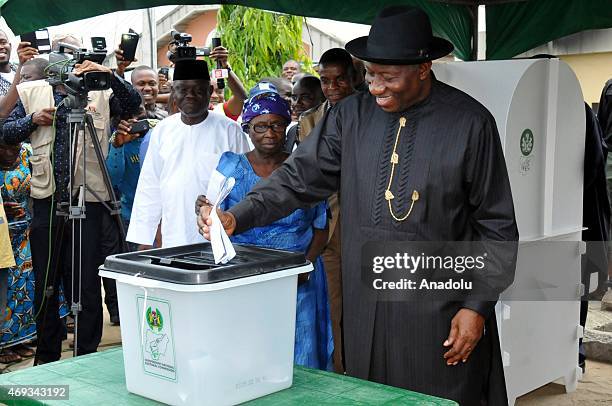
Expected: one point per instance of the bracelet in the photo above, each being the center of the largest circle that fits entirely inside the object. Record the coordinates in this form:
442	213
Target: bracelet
112	138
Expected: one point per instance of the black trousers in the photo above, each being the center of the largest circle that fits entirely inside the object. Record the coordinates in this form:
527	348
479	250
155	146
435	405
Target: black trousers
110	293
99	238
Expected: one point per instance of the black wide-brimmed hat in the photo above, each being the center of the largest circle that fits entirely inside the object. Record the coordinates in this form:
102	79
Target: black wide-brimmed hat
400	35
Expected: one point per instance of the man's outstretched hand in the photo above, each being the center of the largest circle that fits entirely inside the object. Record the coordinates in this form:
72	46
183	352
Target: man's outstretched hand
204	221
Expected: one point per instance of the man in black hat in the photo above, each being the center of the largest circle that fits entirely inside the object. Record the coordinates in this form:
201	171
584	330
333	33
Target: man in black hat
421	161
182	154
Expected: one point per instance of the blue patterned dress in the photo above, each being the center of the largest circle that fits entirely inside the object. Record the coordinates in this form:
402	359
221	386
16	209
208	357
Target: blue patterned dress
313	335
20	325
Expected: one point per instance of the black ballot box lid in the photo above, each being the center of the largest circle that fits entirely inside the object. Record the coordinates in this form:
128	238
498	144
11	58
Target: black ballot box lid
195	264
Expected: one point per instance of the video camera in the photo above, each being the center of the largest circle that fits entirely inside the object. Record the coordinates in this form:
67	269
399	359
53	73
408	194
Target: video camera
183	50
62	62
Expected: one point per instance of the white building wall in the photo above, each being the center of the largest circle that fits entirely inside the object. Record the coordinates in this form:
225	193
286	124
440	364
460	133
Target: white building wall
586	42
319	41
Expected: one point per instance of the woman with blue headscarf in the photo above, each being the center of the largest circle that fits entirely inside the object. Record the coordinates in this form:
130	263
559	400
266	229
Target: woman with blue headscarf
265	118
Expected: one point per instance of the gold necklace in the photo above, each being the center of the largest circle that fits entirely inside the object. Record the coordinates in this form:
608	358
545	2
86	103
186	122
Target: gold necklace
395	161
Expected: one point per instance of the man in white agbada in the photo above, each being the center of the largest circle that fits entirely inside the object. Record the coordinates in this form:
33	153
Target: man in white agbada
182	154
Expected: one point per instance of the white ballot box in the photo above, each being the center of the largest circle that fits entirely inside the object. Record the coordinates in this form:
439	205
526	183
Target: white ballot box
196	333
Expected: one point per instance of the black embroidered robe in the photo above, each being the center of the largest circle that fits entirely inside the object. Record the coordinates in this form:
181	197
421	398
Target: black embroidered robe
450	152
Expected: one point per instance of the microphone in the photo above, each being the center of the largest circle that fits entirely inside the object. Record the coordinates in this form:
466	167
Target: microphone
216	42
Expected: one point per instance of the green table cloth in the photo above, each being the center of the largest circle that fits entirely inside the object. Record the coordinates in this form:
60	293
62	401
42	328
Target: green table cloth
98	379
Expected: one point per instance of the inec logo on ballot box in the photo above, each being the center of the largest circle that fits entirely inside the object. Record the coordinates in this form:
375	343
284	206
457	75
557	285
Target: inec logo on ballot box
526	158
527	142
156	338
155	320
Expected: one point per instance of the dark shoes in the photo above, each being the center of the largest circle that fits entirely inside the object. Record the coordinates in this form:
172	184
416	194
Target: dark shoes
41	362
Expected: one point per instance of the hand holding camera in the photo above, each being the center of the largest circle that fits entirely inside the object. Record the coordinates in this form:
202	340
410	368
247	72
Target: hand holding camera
25	52
122	63
89	66
164	85
122	135
128	130
219	55
221	59
163	80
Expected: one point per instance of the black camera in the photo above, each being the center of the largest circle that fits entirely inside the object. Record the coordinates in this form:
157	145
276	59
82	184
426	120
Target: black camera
184	51
140	127
62	62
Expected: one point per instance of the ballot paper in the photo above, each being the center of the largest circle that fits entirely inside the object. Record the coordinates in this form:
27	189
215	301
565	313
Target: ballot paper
223	250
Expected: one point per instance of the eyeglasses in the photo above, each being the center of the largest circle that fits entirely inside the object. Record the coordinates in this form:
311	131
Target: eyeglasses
263	128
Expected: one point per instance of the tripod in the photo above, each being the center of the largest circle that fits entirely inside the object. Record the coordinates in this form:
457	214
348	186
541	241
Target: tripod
73	211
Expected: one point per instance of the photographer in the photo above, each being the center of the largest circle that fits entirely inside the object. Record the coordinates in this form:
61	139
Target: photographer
42	116
165	86
233	107
164	80
123	161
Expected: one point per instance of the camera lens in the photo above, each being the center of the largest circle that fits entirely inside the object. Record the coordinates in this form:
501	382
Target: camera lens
97	81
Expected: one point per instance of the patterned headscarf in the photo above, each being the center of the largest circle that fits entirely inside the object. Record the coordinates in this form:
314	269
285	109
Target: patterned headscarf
267	103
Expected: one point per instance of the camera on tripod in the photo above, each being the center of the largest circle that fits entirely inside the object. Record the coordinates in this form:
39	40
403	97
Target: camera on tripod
62	62
183	50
